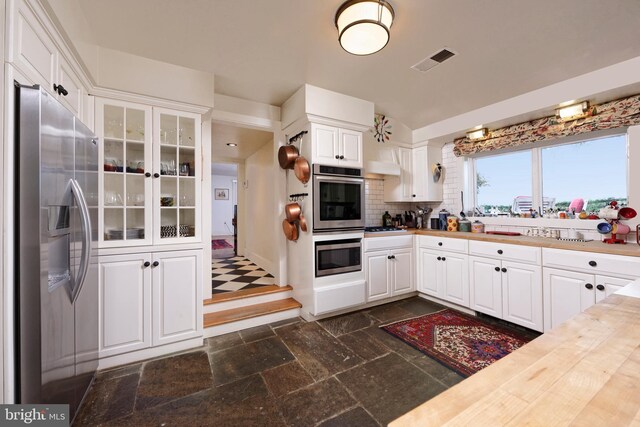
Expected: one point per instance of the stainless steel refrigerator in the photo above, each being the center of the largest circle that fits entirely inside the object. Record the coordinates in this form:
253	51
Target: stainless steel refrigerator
56	251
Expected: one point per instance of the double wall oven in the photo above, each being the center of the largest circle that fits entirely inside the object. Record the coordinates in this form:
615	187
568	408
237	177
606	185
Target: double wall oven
338	210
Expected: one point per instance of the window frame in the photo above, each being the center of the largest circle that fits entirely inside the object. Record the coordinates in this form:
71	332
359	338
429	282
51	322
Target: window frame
536	164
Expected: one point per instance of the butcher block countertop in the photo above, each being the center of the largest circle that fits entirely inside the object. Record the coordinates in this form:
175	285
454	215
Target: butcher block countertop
584	372
630	249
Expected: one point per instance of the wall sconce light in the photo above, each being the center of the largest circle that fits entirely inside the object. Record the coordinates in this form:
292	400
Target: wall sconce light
232	144
477	134
574	111
363	25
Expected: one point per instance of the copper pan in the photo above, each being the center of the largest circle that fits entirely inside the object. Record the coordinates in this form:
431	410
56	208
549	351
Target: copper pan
287	155
292	211
302	169
290	230
303	223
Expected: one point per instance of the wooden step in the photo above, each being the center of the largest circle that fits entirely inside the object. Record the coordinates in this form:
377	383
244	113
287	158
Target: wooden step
236	314
246	293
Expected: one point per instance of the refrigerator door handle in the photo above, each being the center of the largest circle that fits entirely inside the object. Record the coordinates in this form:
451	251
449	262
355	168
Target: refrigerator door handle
86	239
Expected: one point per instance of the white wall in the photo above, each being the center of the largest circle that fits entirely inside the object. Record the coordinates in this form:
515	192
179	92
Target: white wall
260	202
222	210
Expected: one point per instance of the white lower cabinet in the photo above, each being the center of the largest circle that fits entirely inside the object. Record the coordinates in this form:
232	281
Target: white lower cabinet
389	266
177	296
567	293
507	290
444	275
125	304
389	273
149	299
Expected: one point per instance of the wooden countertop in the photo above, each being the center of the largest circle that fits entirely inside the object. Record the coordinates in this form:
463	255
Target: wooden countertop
630	249
584	372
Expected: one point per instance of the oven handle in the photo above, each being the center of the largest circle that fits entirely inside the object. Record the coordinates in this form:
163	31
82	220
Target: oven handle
338	246
338	178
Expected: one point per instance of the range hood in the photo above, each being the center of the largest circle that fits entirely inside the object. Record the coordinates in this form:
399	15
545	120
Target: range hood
380	167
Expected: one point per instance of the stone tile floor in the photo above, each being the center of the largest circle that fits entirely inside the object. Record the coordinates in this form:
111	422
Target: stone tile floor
342	371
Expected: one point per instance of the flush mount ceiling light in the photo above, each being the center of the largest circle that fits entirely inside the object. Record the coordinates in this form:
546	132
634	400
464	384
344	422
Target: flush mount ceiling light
363	25
574	111
477	134
232	144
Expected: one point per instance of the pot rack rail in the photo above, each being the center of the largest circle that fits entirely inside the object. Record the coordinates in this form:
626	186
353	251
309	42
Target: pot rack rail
297	136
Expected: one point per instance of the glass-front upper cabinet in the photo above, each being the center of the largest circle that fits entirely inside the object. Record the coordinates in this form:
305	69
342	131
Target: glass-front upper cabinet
177	159
126	181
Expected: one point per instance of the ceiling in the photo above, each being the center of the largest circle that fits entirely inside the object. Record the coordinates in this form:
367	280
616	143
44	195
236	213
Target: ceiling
249	141
224	169
265	50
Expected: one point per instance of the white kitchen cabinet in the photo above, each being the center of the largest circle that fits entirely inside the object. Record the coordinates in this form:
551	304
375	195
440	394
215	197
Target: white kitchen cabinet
402	271
606	286
444	275
567	293
153	195
177	296
126	173
149	299
485	279
400	188
336	146
425	188
522	294
125	304
415	183
33	51
378	275
507	290
389	266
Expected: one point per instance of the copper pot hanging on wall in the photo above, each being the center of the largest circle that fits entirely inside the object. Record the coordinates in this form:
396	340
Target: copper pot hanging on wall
287	155
292	211
290	230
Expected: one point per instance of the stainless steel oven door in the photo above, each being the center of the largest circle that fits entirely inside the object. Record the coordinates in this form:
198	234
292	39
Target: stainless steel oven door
338	203
338	256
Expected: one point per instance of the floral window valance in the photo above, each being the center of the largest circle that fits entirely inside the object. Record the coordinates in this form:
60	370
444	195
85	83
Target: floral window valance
610	115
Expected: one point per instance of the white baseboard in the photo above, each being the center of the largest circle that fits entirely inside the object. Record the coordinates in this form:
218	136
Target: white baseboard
243	302
261	262
148	353
311	318
250	323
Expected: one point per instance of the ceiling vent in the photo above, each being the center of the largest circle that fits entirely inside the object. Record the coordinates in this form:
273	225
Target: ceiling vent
437	58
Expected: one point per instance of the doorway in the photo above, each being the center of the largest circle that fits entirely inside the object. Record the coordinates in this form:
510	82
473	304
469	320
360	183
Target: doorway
224	210
243	161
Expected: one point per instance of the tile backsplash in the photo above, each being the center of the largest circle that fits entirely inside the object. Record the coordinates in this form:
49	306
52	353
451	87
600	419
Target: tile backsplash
375	206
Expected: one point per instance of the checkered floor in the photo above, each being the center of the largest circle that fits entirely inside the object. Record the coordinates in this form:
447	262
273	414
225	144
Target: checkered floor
233	274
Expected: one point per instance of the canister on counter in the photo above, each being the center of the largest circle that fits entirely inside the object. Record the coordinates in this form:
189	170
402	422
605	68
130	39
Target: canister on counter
477	227
464	225
452	223
443	215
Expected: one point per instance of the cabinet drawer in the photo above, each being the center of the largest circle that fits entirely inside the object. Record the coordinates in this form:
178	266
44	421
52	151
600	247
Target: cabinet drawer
526	254
590	262
381	243
444	243
334	298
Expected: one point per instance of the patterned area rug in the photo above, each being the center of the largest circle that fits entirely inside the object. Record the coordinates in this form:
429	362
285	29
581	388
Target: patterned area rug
220	244
458	341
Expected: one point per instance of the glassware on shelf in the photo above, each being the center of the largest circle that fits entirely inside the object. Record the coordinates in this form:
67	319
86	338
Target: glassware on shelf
112	198
185	169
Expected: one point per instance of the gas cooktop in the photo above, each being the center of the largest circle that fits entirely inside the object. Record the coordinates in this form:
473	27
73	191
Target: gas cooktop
382	229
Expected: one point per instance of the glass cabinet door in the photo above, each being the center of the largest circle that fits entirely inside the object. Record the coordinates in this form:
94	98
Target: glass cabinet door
177	191
126	179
